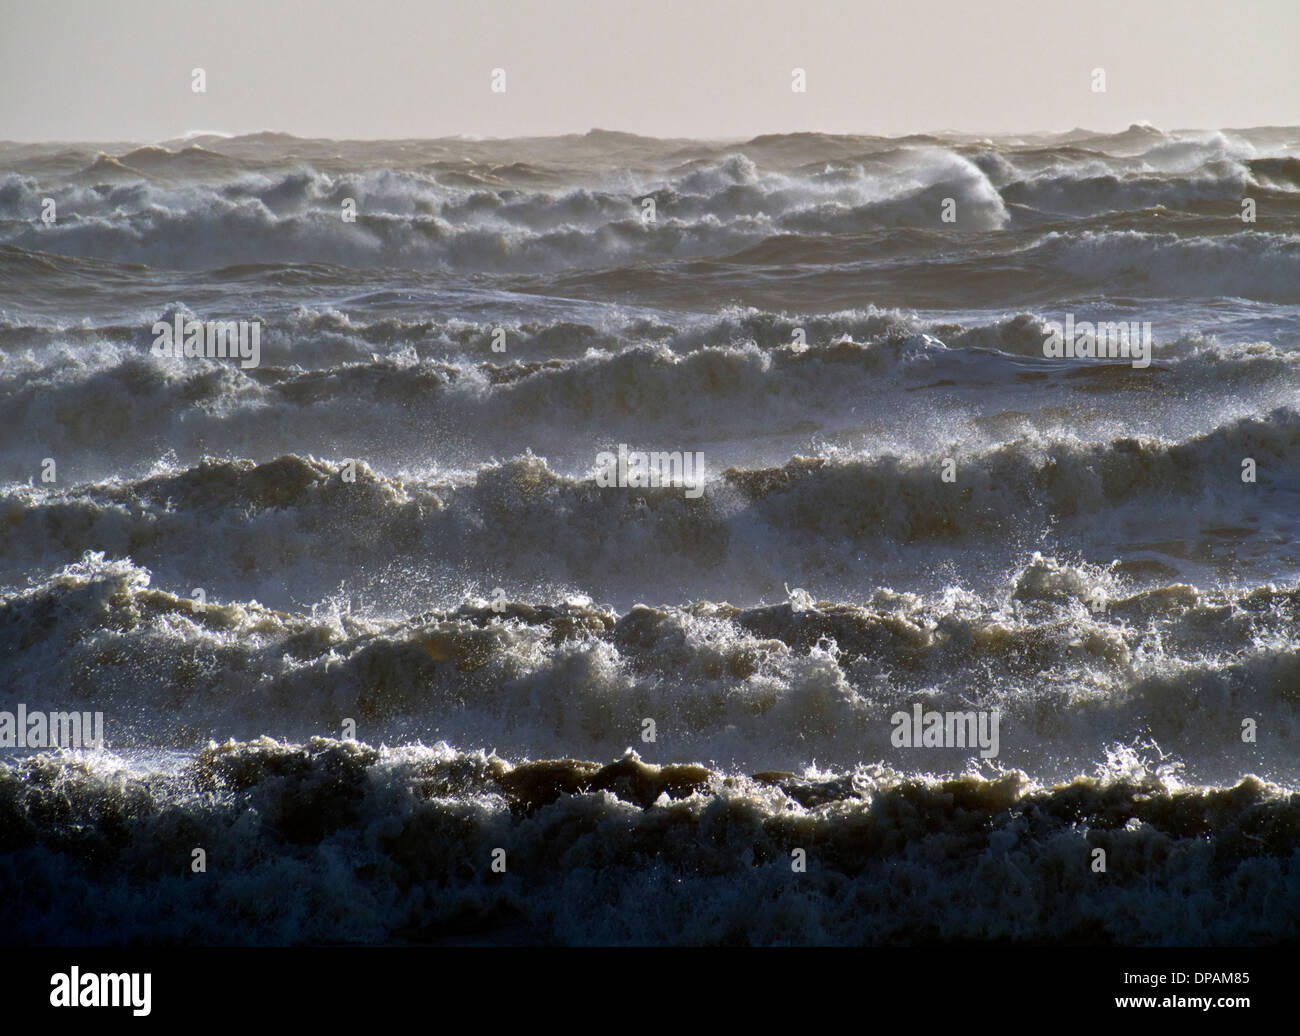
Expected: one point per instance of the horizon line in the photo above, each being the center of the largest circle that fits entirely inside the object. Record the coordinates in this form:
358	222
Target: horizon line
1139	124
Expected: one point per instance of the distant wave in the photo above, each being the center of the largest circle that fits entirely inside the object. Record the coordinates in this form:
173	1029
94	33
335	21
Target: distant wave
235	201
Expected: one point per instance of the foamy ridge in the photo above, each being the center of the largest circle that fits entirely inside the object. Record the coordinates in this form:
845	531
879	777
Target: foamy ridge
813	517
768	686
632	853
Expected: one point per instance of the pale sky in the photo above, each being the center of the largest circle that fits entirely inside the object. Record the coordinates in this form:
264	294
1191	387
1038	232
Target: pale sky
120	69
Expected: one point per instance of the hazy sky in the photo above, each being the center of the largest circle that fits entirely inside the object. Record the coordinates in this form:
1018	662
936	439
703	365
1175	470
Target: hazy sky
120	69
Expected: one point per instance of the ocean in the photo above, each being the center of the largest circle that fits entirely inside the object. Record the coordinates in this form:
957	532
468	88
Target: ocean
605	539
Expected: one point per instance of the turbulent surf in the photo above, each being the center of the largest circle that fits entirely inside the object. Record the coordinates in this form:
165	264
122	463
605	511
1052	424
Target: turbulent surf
556	555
